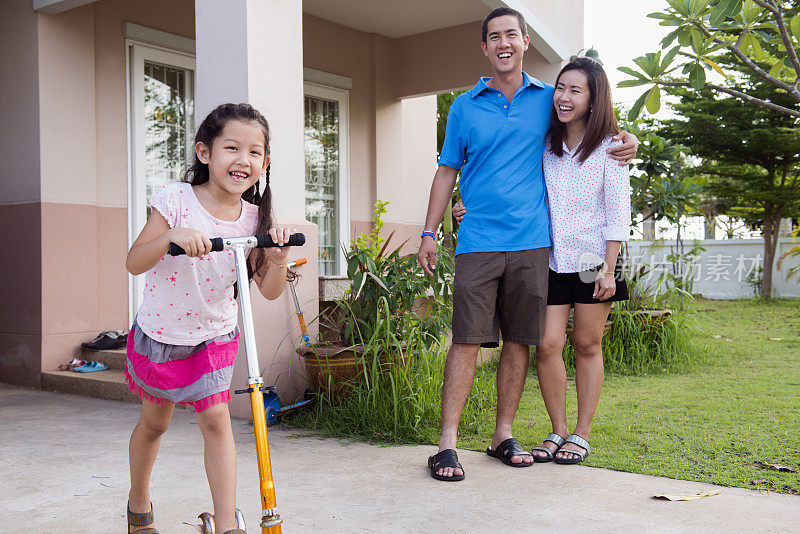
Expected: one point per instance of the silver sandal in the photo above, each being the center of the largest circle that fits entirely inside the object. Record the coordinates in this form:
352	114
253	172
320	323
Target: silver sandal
553	438
581	456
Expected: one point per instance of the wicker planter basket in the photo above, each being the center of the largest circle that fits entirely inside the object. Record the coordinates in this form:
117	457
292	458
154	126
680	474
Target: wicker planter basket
332	366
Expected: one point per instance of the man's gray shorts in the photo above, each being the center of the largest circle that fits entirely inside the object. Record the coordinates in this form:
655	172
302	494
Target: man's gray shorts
500	291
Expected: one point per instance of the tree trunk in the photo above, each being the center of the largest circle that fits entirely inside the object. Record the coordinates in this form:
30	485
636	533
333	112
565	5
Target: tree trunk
772	218
709	227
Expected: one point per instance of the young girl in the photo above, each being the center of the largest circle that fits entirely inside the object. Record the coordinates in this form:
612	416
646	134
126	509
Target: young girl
588	196
183	343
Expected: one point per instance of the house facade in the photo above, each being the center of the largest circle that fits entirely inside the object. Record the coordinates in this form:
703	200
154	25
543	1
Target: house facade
101	99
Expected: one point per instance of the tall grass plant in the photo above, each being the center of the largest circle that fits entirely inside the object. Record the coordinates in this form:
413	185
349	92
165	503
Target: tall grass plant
397	397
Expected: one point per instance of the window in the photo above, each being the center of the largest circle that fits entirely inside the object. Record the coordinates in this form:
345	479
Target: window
327	172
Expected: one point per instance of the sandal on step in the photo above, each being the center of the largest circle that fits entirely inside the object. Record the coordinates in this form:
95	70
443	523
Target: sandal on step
235	531
581	456
90	367
140	520
552	438
507	450
71	365
445	458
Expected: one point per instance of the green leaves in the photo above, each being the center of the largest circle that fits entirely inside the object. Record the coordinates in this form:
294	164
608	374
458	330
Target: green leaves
794	27
654	69
380	276
723	10
653	99
697	77
703	28
719	14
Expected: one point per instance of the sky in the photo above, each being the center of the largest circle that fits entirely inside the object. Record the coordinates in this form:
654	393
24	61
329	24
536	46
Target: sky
620	31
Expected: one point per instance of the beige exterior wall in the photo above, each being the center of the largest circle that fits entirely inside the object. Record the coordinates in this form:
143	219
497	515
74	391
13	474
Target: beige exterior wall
68	140
173	16
19	136
347	52
565	22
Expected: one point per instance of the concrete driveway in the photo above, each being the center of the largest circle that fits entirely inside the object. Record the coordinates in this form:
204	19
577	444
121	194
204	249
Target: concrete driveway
63	468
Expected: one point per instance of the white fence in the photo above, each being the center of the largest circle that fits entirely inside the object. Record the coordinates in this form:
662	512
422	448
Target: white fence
721	272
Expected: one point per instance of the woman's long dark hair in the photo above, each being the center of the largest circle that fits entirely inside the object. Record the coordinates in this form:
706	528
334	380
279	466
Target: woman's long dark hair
601	120
197	174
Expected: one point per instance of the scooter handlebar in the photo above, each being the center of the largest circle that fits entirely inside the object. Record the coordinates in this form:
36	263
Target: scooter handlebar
262	241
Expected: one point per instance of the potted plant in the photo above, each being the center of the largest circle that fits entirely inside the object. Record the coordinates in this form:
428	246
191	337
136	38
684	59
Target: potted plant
388	309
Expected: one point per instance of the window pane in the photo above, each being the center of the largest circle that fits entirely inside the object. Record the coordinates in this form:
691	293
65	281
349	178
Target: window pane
168	120
322	177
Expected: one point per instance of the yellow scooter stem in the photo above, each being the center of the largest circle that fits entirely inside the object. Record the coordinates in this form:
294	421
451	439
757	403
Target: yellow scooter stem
270	520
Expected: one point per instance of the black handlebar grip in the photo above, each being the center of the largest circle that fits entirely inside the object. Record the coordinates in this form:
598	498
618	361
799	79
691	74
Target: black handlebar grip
262	240
216	246
295	240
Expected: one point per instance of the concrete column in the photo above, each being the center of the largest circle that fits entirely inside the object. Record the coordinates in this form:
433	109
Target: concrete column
785	227
252	51
649	230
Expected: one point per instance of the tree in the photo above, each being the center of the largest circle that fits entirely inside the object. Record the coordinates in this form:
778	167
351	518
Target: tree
750	155
658	188
762	35
449	224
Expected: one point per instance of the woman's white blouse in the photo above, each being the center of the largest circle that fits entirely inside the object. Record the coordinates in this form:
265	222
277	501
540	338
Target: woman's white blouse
590	203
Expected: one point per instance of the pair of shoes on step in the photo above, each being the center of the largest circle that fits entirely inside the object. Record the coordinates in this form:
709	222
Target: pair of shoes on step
82	366
108	340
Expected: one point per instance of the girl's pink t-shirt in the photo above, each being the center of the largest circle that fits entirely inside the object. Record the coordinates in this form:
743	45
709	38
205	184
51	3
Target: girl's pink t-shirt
190	300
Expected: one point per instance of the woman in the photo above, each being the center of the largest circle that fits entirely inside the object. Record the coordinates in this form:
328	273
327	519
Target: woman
590	215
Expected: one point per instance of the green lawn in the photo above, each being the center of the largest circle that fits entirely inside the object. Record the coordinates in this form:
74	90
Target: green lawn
741	405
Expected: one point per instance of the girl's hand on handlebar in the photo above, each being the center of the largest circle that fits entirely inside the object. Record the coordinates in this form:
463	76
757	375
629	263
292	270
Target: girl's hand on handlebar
195	243
280	236
459	210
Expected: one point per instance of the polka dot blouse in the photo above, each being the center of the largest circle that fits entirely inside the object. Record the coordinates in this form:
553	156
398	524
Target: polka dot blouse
589	203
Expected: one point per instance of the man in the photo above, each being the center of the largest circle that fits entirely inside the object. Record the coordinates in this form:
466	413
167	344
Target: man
496	131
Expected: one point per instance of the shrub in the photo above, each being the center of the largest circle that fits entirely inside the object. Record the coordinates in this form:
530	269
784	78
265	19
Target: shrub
399	397
639	345
378	277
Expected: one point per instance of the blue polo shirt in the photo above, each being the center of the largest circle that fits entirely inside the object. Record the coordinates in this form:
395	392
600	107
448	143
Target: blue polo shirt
499	146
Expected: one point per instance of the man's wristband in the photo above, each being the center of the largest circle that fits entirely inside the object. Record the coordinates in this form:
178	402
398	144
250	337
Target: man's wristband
429	234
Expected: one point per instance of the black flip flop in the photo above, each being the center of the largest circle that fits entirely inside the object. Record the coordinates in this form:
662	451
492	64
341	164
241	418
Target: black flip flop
508	449
445	458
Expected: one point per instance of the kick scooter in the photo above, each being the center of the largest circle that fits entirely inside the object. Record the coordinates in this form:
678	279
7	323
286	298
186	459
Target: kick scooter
270	519
272	403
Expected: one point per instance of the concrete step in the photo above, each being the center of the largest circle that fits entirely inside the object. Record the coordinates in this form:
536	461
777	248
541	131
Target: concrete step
114	359
108	384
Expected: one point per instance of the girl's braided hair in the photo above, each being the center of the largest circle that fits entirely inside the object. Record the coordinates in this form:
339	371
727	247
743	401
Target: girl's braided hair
197	173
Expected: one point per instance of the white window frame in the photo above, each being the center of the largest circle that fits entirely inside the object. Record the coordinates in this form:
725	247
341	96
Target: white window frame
340	95
146	44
